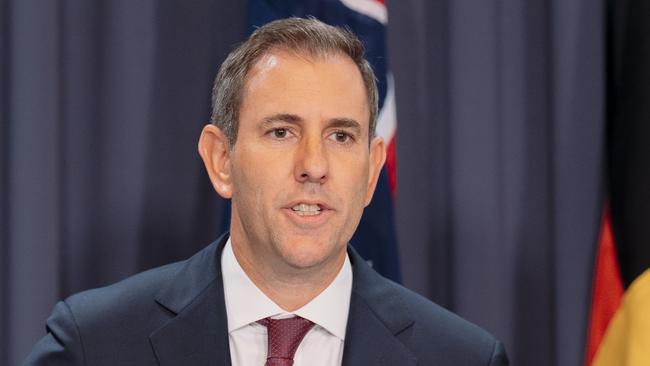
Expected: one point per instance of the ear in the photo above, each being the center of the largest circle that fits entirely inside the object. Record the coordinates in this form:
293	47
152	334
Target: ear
376	162
215	152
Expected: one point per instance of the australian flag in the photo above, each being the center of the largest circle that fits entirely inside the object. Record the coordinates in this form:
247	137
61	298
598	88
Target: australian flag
375	238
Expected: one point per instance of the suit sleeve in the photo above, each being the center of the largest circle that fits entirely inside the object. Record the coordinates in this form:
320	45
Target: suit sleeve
62	343
499	357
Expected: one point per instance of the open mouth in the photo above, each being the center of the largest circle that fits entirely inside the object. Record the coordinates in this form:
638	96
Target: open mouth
304	209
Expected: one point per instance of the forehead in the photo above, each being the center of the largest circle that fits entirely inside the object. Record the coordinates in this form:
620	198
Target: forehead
303	83
275	62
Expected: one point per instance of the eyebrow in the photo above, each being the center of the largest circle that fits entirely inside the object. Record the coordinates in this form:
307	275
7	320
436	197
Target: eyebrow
282	117
337	122
346	123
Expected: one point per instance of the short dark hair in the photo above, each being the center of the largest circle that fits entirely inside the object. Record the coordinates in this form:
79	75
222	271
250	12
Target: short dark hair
300	35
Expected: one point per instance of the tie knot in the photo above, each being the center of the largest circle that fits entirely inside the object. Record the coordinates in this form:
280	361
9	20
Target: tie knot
284	336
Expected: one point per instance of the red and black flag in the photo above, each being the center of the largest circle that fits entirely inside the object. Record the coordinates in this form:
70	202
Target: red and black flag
619	331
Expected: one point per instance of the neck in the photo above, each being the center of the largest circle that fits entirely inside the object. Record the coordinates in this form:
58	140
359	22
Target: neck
289	287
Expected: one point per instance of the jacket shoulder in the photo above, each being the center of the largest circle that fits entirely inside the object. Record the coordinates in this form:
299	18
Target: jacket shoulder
127	299
121	299
431	334
438	335
105	326
112	325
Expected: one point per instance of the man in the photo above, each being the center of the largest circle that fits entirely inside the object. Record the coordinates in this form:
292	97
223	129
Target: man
292	145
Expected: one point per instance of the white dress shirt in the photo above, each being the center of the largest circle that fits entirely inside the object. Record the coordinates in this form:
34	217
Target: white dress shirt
246	304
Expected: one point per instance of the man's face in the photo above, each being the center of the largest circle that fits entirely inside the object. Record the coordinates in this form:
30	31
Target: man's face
301	169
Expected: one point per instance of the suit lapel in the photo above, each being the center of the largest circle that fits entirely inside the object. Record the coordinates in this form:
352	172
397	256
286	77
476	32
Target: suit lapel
377	315
197	333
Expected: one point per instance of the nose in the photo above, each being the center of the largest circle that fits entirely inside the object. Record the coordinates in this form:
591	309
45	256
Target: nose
312	164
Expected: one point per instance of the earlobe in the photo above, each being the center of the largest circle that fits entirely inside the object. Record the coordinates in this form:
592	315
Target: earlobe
215	153
376	162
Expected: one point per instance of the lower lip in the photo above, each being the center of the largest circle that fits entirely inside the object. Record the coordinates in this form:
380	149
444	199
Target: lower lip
308	221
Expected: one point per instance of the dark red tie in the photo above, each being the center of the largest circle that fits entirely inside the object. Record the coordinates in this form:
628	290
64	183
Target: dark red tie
284	336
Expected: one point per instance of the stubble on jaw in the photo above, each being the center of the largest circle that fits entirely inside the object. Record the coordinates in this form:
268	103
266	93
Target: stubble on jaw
289	286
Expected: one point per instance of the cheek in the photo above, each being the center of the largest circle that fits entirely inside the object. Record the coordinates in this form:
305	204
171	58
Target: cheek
352	185
257	176
355	172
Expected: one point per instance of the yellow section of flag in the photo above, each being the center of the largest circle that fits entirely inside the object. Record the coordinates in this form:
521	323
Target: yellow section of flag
627	339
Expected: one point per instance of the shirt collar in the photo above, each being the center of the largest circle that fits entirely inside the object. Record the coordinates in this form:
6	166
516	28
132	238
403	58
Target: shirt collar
246	304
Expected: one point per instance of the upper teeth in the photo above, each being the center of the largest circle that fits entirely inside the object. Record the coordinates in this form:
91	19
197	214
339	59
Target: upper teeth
306	208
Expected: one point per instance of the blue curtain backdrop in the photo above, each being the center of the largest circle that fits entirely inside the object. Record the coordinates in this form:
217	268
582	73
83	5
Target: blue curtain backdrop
501	111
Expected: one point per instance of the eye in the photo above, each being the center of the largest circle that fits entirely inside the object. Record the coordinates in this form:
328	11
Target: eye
279	133
341	137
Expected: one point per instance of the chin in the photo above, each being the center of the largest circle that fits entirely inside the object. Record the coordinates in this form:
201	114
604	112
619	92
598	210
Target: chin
304	256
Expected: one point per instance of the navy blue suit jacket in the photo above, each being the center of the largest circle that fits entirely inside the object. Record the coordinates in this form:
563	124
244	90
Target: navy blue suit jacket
175	315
